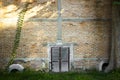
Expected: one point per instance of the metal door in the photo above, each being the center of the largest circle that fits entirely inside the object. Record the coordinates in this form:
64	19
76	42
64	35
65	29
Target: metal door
60	59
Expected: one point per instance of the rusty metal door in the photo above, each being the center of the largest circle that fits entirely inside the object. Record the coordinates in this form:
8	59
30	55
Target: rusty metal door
60	59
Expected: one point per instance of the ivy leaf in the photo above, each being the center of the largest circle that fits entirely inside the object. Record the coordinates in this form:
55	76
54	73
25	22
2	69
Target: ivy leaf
116	3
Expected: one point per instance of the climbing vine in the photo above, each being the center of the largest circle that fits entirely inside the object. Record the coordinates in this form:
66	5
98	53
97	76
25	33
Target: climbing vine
18	33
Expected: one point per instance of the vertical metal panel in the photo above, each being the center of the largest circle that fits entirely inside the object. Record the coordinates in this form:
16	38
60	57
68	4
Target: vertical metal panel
68	58
65	59
60	59
51	60
55	59
64	54
64	67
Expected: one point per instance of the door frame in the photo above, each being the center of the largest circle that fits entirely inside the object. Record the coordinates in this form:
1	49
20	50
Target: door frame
60	57
70	45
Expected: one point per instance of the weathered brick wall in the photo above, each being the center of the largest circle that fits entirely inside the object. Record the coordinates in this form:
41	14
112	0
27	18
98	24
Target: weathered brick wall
92	37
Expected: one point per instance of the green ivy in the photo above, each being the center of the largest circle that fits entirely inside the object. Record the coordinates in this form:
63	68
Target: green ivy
18	34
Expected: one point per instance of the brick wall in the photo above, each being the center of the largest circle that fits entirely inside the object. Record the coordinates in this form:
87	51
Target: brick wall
92	37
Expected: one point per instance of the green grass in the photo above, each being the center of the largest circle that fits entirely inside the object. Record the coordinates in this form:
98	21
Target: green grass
33	75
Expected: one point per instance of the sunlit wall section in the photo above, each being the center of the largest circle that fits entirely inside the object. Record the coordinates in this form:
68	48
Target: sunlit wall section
34	39
35	34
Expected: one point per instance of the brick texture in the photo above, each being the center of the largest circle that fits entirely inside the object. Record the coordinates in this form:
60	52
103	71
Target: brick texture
92	37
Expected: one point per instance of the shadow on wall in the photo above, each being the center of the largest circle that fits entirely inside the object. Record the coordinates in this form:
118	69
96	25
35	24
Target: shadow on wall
11	8
47	9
